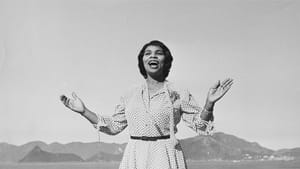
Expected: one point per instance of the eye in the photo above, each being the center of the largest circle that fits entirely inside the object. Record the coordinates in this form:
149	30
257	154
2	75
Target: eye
159	52
147	53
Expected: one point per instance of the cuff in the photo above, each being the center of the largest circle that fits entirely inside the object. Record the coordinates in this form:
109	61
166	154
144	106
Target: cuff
205	127
101	122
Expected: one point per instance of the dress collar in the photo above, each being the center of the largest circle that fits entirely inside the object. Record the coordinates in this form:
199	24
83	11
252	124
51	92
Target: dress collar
145	92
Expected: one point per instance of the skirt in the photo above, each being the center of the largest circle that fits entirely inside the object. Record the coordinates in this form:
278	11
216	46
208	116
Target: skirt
160	154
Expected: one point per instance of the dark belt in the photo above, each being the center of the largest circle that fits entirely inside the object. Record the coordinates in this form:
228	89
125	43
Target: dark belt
145	138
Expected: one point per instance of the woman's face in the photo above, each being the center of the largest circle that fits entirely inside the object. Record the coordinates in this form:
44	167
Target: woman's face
154	60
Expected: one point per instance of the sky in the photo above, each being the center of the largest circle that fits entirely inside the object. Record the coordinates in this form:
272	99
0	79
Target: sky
54	47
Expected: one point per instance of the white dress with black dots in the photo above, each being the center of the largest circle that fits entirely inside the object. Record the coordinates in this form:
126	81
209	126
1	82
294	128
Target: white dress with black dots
150	116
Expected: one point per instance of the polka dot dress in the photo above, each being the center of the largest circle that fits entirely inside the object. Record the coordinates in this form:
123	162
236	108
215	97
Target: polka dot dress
150	116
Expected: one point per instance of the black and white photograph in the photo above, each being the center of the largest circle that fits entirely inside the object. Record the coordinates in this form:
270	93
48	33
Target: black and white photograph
149	84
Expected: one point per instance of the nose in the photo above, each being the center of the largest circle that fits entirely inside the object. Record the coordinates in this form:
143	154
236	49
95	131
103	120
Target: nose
153	56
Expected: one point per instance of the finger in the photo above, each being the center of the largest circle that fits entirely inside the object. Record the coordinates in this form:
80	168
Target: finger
62	97
68	102
227	87
225	81
224	92
74	95
71	103
230	81
216	85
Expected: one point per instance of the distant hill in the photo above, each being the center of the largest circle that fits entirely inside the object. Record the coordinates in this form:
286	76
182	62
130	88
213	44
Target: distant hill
294	152
220	146
12	153
38	155
86	150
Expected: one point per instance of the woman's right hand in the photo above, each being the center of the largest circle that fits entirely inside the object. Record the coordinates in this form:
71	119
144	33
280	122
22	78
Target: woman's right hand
75	103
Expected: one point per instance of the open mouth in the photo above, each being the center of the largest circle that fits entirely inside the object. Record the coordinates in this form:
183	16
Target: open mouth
153	64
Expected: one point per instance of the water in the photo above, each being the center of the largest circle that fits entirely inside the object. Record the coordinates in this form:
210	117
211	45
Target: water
295	164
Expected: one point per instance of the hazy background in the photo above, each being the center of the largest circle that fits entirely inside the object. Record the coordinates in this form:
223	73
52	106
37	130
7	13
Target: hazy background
54	47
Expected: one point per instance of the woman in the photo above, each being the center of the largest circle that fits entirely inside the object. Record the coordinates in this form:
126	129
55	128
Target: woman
147	110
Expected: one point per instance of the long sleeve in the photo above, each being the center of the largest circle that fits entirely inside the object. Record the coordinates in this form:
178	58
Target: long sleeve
114	124
191	112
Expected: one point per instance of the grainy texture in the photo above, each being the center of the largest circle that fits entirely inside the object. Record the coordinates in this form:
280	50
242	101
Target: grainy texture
149	116
295	164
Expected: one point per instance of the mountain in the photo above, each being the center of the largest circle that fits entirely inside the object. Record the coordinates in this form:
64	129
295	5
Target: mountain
7	152
12	153
86	150
38	155
219	146
294	152
222	146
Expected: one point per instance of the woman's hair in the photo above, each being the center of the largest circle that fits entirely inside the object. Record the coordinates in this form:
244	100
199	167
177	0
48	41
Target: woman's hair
167	62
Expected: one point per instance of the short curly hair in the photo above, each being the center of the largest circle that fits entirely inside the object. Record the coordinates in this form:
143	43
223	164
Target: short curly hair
167	62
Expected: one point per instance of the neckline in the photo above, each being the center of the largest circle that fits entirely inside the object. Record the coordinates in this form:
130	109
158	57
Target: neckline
162	89
146	96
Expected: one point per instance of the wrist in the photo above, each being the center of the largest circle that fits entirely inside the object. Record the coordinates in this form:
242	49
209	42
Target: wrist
209	106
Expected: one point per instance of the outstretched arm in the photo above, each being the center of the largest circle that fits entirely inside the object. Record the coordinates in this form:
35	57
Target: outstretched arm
109	125
200	119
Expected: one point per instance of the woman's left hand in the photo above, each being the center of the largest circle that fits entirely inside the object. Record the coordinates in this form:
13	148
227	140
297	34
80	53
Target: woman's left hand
218	90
